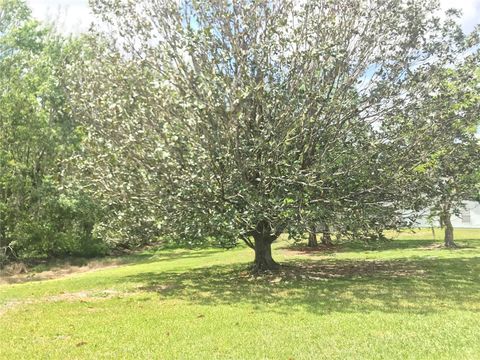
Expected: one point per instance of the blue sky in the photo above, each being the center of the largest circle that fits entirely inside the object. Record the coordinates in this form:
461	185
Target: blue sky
74	15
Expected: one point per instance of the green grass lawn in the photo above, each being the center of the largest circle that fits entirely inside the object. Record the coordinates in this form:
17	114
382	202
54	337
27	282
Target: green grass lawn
403	299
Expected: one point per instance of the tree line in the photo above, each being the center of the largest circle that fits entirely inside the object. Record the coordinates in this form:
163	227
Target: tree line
213	122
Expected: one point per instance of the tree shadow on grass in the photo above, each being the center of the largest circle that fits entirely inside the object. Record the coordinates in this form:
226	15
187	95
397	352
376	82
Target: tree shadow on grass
383	245
322	287
146	258
404	244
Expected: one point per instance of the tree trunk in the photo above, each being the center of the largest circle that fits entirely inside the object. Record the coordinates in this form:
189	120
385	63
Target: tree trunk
312	237
326	238
263	255
448	231
263	248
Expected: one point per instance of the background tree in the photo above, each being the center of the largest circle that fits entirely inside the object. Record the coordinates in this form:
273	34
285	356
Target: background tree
452	174
37	216
246	119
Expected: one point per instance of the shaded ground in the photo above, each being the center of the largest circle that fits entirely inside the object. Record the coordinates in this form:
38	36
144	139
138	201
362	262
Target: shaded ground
330	286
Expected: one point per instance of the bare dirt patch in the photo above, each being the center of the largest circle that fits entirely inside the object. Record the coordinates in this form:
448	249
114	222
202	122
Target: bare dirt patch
434	246
19	273
86	296
83	296
313	251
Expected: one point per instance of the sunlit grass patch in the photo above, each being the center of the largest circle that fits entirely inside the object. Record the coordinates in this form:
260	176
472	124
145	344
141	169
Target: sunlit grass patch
399	299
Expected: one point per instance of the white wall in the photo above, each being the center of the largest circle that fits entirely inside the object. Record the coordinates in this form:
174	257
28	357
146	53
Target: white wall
469	217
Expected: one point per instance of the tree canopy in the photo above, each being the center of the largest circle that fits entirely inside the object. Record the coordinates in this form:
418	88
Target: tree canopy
247	119
210	122
452	175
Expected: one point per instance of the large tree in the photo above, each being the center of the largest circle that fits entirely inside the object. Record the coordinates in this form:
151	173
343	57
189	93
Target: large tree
246	119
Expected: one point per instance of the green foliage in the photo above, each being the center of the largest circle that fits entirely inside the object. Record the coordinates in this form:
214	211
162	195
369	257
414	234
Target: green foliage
38	216
451	174
206	122
227	121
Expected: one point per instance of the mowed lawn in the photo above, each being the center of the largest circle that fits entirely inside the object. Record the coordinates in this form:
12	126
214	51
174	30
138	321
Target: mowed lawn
403	299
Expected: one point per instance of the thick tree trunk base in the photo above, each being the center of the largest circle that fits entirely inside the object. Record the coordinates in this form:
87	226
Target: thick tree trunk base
263	257
259	267
450	244
263	249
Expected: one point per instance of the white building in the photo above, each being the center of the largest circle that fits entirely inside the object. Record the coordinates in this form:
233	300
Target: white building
469	217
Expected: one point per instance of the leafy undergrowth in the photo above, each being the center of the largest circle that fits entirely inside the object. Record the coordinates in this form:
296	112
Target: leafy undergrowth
403	299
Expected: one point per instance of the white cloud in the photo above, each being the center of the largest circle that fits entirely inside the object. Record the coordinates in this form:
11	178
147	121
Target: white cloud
470	10
71	15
